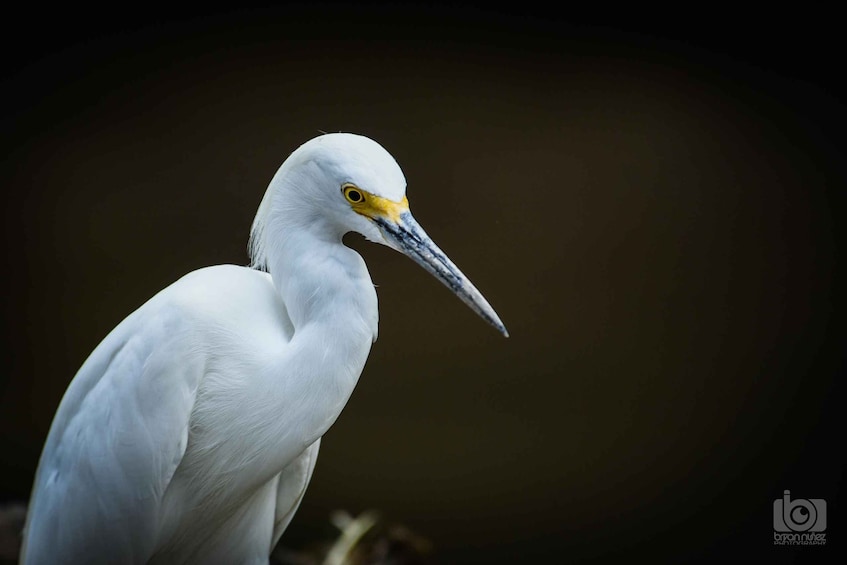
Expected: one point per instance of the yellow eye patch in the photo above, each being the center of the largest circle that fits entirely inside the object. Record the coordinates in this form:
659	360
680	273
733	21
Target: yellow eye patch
373	206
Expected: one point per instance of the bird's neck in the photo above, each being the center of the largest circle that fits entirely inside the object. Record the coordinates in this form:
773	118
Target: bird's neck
324	283
332	305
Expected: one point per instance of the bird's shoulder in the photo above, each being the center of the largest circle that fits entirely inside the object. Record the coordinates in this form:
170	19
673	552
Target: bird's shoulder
166	342
202	306
230	294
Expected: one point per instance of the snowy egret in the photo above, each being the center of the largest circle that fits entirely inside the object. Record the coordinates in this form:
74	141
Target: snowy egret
190	434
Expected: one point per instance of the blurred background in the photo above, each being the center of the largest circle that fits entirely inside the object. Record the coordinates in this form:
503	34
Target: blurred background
649	200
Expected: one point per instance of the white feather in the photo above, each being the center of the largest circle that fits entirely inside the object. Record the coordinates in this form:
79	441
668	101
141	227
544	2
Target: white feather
200	414
191	432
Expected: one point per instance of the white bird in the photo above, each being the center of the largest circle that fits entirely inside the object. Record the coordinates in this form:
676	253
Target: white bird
190	433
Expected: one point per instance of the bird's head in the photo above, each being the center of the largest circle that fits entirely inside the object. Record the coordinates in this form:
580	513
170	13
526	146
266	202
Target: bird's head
345	182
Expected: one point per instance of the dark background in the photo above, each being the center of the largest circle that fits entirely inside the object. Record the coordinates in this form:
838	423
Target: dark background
649	199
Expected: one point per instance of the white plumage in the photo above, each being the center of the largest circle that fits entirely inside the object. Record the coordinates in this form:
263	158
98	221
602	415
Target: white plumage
191	432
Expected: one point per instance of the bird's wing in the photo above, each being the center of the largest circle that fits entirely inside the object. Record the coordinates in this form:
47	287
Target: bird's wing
291	487
117	438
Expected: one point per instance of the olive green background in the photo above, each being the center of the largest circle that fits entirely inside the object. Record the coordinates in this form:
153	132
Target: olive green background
650	205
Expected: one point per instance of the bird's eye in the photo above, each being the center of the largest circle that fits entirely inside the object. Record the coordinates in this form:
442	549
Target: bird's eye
353	194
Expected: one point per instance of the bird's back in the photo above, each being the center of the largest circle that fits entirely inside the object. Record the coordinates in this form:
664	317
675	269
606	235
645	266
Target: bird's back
122	428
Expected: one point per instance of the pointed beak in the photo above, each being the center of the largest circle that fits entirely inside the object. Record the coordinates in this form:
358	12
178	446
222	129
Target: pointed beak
408	237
